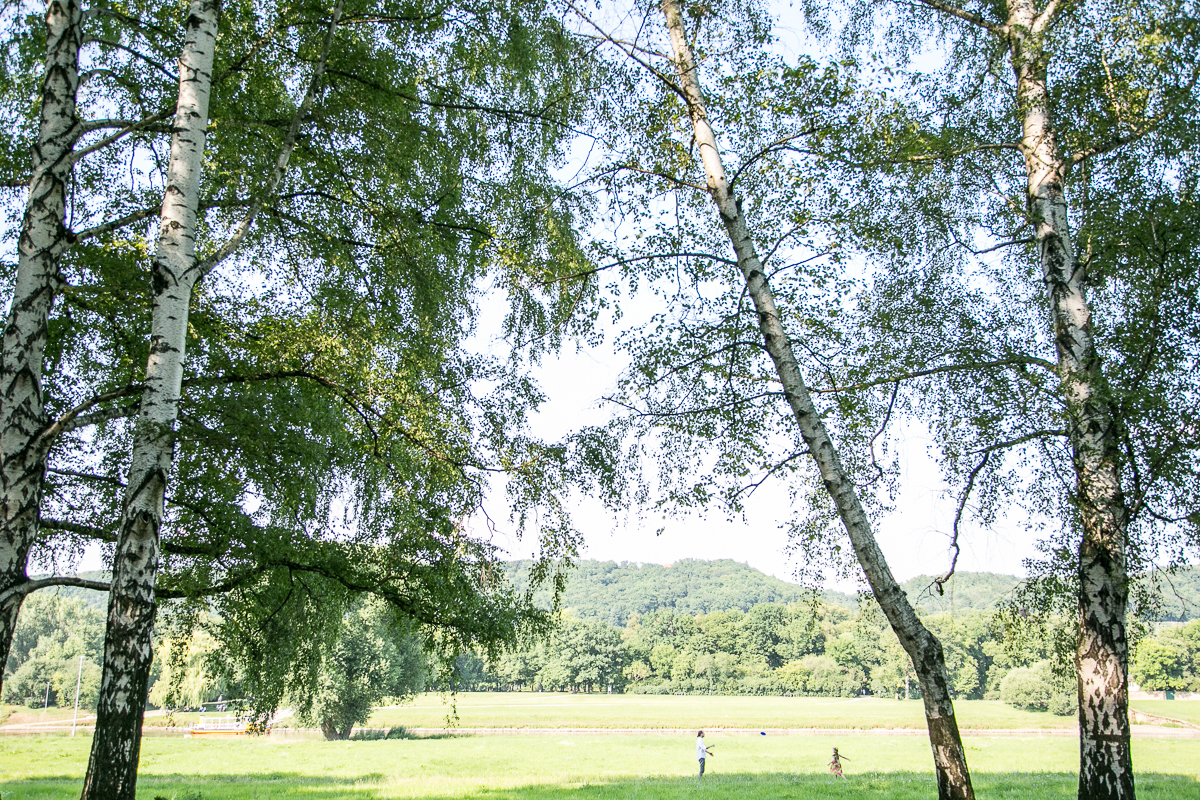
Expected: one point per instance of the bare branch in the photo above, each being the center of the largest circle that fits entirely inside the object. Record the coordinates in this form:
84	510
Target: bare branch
779	144
993	248
97	417
141	124
68	419
1029	437
28	587
630	53
882	427
124	124
624	261
141	214
665	176
750	488
940	583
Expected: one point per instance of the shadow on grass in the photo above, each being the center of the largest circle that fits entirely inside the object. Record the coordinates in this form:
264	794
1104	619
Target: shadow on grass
745	786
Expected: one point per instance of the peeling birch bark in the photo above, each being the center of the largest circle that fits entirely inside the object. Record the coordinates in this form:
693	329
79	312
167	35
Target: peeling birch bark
949	757
41	240
1102	650
112	768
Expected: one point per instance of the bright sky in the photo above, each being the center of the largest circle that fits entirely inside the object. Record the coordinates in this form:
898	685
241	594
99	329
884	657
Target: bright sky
915	538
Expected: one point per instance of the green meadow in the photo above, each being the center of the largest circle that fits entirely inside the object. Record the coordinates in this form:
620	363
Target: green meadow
580	767
647	765
555	710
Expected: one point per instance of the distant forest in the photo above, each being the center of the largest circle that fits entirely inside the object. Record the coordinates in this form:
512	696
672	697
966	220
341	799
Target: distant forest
612	592
694	626
608	591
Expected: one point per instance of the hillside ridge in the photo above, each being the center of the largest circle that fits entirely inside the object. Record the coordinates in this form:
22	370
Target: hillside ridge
612	591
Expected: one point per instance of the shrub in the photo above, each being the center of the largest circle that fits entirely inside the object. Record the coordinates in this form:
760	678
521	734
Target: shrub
1037	688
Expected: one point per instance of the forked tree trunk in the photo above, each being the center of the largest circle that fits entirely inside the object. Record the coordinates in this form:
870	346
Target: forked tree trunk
332	732
1102	650
112	770
40	242
950	763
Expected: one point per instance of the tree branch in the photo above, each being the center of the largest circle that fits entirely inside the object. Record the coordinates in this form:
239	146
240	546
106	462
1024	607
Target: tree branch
28	587
623	261
79	155
1134	135
285	153
67	420
1000	362
967	16
940	582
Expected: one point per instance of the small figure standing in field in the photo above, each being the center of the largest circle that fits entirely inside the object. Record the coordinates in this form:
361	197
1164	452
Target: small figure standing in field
701	751
835	766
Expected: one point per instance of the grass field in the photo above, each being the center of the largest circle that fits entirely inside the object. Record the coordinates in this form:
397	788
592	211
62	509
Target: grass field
552	710
583	767
640	766
1186	710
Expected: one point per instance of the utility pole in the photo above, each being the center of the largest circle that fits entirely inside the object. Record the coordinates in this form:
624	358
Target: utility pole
46	705
78	681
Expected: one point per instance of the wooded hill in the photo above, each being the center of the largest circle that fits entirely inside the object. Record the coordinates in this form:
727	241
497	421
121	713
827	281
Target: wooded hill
611	592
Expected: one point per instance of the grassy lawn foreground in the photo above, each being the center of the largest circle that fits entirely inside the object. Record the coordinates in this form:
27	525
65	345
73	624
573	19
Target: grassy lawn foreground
549	767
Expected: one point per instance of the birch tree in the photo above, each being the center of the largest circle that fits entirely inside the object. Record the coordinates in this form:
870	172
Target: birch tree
357	350
23	445
408	262
685	348
112	768
1095	108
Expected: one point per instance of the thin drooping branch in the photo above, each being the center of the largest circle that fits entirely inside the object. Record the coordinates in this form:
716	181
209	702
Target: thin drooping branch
941	581
1010	361
285	153
967	16
887	418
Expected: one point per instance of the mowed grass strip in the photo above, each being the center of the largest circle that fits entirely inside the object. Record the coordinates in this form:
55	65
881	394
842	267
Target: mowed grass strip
1184	710
651	712
582	767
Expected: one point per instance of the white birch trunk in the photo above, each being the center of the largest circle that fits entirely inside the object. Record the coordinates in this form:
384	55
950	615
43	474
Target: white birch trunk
953	777
41	240
112	769
1102	650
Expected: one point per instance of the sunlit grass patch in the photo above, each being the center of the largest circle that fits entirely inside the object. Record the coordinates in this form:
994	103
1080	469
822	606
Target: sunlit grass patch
582	767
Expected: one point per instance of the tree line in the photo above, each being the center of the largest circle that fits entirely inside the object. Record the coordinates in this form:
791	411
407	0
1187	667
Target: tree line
804	648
